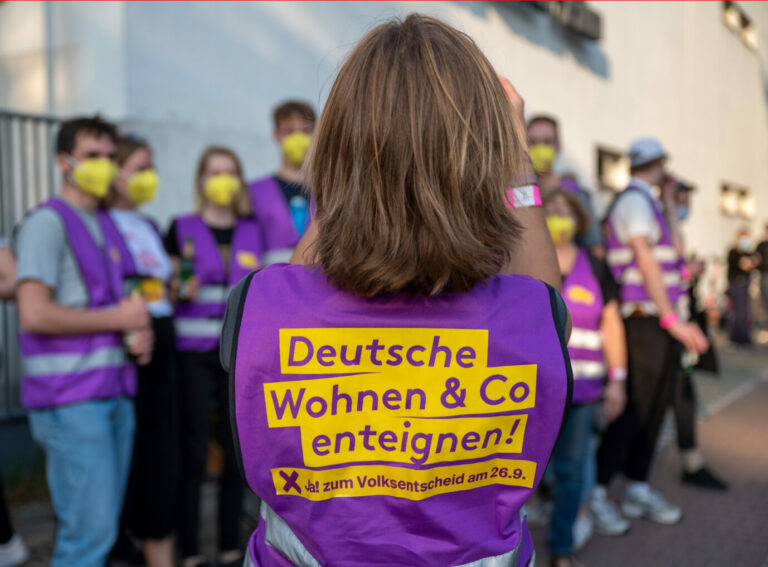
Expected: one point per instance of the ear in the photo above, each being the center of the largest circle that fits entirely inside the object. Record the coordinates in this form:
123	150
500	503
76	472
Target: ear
63	163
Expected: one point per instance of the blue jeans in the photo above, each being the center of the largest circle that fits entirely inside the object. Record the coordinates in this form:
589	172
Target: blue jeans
567	464
88	453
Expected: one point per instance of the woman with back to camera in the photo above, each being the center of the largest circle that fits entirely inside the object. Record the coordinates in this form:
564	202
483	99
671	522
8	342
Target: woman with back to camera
211	250
151	498
397	400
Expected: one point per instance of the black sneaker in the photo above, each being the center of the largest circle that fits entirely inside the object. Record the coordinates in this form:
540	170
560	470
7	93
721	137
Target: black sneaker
703	478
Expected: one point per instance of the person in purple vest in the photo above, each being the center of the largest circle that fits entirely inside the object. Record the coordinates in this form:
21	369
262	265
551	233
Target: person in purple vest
13	552
152	497
597	350
642	257
77	382
543	132
396	401
281	202
222	242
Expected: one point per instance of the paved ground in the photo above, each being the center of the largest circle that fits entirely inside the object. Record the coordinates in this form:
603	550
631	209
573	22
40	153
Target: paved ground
718	529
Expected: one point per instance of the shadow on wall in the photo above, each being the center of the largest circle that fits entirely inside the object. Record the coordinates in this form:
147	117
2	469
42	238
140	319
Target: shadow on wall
542	29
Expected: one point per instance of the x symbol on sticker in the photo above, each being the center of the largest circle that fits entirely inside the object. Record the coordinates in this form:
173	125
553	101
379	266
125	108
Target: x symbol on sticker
290	481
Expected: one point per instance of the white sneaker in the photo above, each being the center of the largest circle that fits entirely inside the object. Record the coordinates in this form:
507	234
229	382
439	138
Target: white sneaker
607	518
14	552
641	501
583	528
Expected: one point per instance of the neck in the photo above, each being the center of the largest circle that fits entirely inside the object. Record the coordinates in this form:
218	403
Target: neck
123	203
218	217
642	176
566	256
291	173
75	197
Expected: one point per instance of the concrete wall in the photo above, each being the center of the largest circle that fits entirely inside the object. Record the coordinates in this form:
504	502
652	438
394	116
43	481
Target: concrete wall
186	75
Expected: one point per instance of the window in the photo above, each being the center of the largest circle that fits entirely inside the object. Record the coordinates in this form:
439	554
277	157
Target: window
738	22
736	201
612	169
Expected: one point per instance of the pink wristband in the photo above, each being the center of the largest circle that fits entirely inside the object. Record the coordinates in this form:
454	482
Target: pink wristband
668	320
524	196
685	273
617	374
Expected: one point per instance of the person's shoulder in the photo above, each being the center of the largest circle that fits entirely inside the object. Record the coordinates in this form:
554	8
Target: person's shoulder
43	220
264	180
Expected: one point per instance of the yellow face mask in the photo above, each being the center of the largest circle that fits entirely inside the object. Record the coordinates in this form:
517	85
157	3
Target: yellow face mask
542	157
561	228
221	189
142	186
295	147
94	176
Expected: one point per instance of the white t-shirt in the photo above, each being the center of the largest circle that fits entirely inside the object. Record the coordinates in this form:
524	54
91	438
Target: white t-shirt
148	252
634	216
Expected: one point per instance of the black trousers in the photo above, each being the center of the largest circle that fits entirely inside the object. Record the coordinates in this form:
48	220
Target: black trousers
654	371
152	494
685	412
204	381
6	529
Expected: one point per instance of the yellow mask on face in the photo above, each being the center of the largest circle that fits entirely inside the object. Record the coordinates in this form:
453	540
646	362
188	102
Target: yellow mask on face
295	147
221	189
94	176
142	186
561	228
542	157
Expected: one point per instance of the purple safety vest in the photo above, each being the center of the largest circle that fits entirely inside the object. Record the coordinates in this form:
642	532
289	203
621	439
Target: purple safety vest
623	265
60	370
273	214
584	298
396	430
198	323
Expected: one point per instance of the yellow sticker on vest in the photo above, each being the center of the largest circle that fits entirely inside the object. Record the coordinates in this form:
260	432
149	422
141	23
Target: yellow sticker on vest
579	294
246	259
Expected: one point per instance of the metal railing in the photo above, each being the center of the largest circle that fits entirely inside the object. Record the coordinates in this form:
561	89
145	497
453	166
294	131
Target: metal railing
27	177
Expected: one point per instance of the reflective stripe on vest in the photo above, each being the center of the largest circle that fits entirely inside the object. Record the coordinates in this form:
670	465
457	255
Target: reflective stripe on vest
623	264
279	536
584	298
395	417
198	323
59	370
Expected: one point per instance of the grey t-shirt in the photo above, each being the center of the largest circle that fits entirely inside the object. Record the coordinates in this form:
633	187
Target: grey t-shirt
43	253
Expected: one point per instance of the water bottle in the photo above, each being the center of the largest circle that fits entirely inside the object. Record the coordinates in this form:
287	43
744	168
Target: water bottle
187	268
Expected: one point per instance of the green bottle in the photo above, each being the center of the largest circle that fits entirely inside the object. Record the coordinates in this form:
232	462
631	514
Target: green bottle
187	269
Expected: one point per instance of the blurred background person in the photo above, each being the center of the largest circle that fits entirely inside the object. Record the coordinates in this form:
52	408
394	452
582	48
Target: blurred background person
742	260
597	349
677	196
544	149
13	552
280	202
642	256
152	498
211	250
77	381
762	251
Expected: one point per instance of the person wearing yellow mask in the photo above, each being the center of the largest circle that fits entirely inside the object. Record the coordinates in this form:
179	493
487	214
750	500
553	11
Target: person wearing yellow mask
544	150
77	381
280	201
599	361
150	506
220	243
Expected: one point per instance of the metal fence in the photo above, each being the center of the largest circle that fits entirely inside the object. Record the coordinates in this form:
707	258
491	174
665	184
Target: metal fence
27	177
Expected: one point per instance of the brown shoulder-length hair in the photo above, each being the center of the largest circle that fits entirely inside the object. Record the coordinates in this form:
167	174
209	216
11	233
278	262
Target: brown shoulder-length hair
241	203
574	203
126	145
414	150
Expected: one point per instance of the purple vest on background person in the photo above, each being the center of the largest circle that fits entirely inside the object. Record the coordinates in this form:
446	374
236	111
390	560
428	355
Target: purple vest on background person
59	370
198	323
396	430
621	260
584	298
274	216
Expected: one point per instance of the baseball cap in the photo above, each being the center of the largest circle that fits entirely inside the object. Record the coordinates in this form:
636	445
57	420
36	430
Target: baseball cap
645	150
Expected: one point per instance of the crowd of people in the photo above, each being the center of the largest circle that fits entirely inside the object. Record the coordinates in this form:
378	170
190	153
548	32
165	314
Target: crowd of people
137	346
